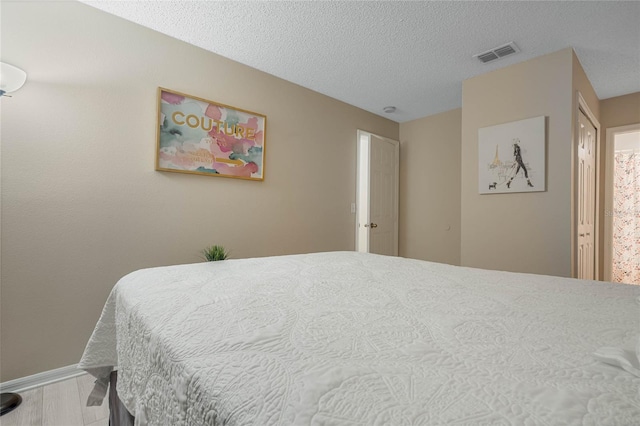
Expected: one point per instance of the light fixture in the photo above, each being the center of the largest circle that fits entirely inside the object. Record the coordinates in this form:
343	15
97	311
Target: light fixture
389	109
11	78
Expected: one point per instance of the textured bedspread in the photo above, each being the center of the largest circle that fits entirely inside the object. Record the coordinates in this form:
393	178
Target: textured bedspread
357	339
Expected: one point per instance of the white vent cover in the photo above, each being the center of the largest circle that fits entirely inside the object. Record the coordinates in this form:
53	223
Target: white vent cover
497	52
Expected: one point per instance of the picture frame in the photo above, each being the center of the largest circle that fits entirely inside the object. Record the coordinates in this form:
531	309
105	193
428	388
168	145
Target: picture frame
199	136
511	157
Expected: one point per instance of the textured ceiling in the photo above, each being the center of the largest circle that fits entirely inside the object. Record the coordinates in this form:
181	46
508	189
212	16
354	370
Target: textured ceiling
412	55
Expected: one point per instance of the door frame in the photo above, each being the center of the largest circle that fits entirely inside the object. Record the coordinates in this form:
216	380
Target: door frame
608	192
363	200
581	105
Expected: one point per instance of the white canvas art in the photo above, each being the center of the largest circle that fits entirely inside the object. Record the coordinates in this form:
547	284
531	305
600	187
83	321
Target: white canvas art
512	157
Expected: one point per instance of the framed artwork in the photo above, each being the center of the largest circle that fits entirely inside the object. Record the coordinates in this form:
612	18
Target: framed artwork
207	138
511	157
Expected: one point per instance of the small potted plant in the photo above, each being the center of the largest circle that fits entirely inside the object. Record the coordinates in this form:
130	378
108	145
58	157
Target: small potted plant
214	253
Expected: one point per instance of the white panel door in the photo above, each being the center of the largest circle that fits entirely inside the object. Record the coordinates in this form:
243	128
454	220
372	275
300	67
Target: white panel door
383	234
378	178
586	198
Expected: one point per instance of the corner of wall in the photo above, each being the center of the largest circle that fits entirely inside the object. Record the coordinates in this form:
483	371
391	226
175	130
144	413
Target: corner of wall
430	171
581	83
520	232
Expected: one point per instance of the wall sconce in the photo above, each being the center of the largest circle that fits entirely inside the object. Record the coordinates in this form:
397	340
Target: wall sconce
11	78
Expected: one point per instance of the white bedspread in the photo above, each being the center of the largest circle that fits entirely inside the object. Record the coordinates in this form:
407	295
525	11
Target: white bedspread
355	339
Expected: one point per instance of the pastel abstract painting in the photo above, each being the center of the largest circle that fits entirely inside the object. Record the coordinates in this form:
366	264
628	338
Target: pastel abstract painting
203	137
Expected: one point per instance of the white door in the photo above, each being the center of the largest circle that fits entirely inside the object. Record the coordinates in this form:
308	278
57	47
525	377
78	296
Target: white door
378	178
586	198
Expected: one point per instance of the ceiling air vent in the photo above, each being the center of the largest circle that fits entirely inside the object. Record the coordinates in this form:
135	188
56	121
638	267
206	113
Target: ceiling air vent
497	52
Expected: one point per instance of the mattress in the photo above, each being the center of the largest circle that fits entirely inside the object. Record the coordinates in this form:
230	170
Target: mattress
346	338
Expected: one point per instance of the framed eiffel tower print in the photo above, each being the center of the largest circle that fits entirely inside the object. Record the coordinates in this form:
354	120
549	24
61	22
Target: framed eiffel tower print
511	157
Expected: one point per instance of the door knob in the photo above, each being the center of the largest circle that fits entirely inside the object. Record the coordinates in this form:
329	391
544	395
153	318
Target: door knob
372	225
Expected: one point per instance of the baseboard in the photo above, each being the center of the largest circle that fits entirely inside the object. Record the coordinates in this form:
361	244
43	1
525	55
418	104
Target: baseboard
40	379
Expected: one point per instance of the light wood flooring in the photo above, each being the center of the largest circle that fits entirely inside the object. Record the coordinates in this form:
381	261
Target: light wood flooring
59	404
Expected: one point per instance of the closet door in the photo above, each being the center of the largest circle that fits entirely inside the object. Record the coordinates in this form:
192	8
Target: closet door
586	198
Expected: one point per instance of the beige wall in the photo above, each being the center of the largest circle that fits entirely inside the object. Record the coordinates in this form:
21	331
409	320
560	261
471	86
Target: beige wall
620	111
81	202
430	188
614	112
581	83
524	232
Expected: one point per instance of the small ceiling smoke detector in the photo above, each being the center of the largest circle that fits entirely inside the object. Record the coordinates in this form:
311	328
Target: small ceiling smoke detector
497	52
389	109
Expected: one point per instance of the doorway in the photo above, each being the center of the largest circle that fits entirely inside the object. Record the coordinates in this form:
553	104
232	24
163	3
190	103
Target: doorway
377	189
622	205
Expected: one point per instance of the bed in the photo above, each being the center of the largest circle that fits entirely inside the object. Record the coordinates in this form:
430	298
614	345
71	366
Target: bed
345	338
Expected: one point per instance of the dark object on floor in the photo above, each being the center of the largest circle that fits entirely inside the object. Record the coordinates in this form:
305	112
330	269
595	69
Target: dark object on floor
9	402
118	414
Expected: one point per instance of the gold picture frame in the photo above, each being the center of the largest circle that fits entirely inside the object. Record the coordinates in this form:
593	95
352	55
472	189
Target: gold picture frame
199	136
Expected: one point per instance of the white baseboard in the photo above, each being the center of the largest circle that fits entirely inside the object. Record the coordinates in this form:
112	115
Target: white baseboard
40	379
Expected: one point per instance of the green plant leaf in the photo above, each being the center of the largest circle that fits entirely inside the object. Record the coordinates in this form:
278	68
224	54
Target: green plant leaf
214	253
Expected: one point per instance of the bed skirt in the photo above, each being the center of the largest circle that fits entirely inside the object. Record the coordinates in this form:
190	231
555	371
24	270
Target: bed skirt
118	414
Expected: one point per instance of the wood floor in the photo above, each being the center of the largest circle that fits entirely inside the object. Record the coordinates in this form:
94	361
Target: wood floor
59	404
